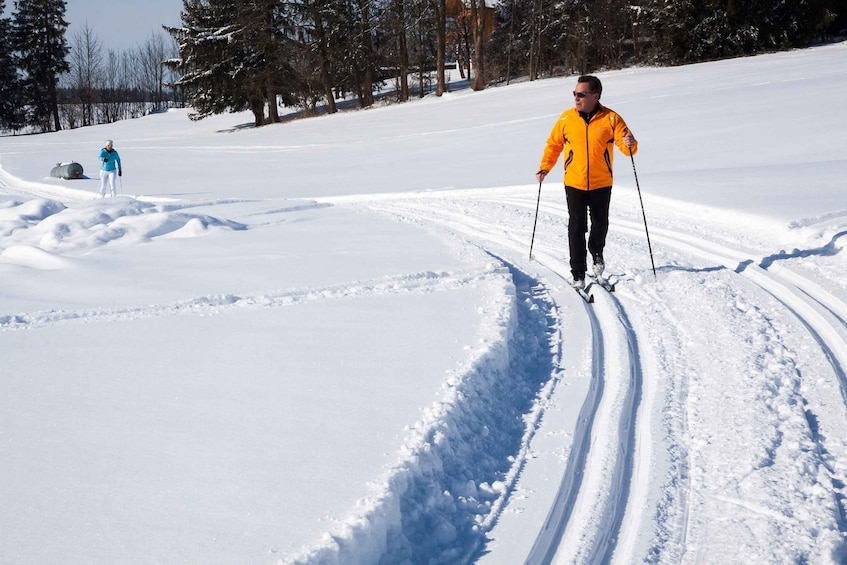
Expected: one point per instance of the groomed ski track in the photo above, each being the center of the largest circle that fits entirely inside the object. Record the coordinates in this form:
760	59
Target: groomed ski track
609	410
631	488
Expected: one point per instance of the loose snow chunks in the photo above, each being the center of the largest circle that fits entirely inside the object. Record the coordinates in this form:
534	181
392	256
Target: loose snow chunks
67	171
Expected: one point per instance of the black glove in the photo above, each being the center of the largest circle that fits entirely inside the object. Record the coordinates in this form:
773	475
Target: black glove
105	159
119	172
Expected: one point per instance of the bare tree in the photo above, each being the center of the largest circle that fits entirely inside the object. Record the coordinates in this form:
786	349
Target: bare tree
112	88
151	71
86	66
176	94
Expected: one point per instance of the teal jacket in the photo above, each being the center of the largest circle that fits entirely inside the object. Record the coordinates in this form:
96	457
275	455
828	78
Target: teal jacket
109	160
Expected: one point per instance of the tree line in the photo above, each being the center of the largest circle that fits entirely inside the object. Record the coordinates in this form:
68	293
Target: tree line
261	55
235	55
49	81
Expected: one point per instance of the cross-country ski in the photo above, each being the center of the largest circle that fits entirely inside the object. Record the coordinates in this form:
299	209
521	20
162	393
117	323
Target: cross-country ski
603	282
582	291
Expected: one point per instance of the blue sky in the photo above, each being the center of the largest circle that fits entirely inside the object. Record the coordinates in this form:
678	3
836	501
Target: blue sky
119	24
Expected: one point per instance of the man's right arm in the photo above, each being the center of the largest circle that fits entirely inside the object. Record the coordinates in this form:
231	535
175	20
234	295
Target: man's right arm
552	149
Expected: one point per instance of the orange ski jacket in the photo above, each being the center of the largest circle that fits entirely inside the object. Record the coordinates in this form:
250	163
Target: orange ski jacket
588	147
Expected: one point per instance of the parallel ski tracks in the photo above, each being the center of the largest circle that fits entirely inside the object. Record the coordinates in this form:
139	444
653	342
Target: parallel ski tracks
594	491
823	314
818	310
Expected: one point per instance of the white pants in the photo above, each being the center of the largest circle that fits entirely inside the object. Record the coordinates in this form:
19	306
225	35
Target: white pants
108	177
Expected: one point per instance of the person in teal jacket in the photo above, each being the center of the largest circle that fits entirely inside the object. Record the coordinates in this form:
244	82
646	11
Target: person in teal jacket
110	165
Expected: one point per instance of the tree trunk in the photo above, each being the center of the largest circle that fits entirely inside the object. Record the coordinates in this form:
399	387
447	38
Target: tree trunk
440	45
403	49
54	102
477	15
367	78
535	42
509	44
327	83
273	109
257	106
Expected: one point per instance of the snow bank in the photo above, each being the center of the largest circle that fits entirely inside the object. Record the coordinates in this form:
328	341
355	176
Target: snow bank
457	466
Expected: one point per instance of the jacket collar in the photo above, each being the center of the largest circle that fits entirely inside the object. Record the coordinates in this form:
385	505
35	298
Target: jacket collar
588	115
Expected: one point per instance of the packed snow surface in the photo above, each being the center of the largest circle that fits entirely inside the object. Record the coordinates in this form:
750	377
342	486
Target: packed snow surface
326	342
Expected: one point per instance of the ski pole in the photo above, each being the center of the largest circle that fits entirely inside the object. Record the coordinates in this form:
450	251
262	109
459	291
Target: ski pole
535	223
643	214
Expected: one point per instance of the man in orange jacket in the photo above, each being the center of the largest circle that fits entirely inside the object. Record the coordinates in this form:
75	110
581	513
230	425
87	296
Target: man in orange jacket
587	134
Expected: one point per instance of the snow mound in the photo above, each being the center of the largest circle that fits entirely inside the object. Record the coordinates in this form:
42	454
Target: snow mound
33	257
15	215
56	229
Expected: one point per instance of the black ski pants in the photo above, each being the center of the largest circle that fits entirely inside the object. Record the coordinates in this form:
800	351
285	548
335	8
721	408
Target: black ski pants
583	204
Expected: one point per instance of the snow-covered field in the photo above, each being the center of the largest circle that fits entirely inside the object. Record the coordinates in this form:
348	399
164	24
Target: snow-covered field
325	341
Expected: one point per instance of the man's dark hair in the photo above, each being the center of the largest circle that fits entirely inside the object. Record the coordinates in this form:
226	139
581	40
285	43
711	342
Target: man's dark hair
593	82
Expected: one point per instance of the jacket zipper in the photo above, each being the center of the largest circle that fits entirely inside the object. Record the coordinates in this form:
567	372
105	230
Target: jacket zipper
587	158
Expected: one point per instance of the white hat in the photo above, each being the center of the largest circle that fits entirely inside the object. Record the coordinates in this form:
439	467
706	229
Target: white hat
108	143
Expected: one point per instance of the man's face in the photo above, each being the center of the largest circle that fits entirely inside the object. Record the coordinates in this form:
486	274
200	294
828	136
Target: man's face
584	99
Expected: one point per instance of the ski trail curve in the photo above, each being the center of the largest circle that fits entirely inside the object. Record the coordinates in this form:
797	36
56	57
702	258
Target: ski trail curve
611	506
586	517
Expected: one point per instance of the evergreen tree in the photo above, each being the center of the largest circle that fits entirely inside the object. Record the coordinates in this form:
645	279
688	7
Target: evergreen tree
11	114
206	57
232	56
38	35
259	43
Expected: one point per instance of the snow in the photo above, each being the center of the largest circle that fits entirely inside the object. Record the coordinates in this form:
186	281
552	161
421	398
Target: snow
324	341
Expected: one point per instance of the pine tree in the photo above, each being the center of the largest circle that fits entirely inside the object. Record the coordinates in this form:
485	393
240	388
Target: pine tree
231	57
11	115
205	58
264	46
38	35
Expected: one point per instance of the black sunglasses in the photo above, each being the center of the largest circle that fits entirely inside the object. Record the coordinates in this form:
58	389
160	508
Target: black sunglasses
582	94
